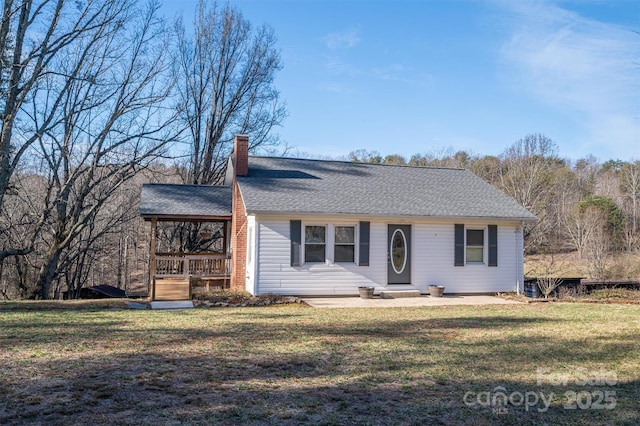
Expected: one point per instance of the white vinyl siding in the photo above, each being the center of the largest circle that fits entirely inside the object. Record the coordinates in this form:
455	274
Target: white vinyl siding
433	250
330	278
431	263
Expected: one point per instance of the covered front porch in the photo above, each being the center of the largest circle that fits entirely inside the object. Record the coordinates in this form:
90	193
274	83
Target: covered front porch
176	275
184	217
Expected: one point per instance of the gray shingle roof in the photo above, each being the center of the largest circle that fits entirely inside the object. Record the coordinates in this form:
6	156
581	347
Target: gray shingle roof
167	200
291	185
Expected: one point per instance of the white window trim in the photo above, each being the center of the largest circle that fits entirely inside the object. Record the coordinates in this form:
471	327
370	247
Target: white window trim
329	242
485	244
304	242
356	239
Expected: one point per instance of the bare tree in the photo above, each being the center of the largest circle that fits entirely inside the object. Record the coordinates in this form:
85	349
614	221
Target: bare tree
394	159
579	226
364	156
586	170
20	225
225	74
446	157
110	123
608	184
630	187
565	194
487	167
598	243
32	35
528	168
548	284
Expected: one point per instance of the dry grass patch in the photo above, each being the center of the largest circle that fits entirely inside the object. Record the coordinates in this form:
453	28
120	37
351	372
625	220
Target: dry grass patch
564	265
47	305
614	295
295	365
239	298
619	265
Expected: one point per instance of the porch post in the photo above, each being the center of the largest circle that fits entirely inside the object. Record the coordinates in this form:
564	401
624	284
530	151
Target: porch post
227	251
152	258
226	237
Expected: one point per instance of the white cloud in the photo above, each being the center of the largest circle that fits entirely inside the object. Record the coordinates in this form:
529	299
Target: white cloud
342	39
337	88
583	68
336	65
403	74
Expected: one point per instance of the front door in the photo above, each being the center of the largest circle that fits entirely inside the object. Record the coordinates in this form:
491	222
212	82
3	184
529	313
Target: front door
399	254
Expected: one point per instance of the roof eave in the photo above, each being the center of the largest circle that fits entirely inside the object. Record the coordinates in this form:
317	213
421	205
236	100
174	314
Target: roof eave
526	219
185	218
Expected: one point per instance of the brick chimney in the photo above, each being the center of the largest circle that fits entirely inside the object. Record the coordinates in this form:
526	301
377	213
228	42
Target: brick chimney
239	215
241	155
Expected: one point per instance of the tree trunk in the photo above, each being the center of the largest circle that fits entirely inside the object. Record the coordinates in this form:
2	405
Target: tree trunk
47	272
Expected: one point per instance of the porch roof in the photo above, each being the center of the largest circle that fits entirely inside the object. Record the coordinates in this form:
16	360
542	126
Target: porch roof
185	202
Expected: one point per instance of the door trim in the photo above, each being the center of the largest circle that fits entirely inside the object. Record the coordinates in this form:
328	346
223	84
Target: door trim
399	276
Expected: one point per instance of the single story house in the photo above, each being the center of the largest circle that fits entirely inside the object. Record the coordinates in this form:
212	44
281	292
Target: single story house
316	227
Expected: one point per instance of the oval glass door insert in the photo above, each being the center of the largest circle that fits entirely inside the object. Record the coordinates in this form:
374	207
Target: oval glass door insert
398	251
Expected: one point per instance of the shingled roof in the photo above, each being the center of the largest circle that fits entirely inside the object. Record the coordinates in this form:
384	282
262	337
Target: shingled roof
185	201
289	185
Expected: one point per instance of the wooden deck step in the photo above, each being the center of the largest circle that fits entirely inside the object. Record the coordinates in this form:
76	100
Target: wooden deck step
397	294
172	289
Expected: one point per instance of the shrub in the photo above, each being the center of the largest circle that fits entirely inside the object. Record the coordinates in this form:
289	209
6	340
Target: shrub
548	284
224	296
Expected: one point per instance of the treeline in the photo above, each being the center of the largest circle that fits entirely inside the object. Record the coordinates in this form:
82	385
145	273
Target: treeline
100	96
584	205
95	96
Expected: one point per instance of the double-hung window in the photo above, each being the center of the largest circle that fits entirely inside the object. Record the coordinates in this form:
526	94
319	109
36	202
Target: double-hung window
470	243
315	247
344	244
475	245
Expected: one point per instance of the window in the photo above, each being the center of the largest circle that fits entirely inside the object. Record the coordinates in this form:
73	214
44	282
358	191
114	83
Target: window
398	250
345	244
475	245
314	243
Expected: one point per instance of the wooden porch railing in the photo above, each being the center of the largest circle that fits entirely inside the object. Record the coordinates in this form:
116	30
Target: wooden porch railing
194	265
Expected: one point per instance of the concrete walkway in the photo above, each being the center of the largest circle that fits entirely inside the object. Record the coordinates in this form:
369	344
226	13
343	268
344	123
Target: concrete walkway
376	302
179	304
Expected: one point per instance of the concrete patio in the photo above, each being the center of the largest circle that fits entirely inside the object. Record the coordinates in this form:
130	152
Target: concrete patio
377	302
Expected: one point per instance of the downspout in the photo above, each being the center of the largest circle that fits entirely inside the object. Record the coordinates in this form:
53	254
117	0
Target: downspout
519	266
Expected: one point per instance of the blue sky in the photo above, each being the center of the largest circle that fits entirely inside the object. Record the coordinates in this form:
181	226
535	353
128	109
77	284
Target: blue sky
412	77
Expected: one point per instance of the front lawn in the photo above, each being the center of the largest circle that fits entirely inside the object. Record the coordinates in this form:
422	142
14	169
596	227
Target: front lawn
552	363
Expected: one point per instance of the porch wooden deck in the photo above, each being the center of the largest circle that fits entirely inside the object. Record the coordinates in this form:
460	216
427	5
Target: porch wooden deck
175	275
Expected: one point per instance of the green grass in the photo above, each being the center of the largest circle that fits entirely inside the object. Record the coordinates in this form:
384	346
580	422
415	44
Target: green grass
298	365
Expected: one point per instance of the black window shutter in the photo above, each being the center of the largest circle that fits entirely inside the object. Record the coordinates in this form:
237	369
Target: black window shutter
296	241
493	245
364	244
459	245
